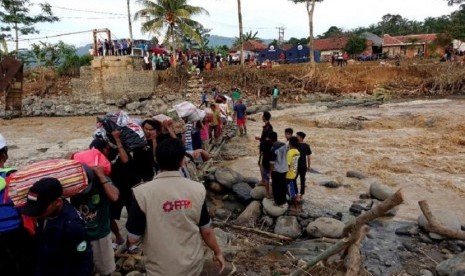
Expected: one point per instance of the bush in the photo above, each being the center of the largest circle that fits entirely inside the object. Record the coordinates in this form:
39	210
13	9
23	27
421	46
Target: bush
72	63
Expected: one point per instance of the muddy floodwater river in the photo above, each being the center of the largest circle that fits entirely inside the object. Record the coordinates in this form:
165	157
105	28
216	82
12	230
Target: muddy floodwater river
418	146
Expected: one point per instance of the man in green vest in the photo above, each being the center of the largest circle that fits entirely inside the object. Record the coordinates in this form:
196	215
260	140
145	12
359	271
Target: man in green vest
275	97
236	94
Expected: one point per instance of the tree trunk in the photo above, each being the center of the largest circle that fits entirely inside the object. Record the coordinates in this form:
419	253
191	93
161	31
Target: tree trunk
435	227
239	13
380	210
16	39
310	10
173	45
130	22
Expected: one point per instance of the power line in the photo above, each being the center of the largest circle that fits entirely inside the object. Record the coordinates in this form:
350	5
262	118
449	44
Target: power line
51	36
99	12
79	17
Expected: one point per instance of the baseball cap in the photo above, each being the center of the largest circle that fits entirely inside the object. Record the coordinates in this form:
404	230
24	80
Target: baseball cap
2	142
40	195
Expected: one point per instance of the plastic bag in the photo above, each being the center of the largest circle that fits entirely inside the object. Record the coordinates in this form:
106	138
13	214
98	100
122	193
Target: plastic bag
185	109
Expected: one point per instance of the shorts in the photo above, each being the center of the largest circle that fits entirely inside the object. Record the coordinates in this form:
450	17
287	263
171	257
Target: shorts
104	256
265	173
241	122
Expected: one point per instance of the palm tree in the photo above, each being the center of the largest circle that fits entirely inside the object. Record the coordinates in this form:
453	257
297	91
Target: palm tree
171	17
246	37
239	13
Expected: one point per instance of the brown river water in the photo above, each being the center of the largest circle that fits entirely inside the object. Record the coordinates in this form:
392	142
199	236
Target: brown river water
418	146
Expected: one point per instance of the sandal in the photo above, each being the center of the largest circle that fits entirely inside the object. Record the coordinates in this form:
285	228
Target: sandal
118	245
298	198
134	250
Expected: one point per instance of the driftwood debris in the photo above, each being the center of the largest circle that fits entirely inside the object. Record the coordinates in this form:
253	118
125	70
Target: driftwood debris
268	234
354	233
378	211
435	227
353	260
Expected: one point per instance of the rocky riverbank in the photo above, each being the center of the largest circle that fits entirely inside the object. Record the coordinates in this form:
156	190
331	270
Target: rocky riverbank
416	146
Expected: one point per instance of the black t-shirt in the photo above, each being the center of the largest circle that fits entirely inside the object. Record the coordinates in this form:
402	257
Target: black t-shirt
267	129
265	149
304	150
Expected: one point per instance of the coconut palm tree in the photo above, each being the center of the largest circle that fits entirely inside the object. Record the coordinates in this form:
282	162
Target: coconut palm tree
170	17
241	36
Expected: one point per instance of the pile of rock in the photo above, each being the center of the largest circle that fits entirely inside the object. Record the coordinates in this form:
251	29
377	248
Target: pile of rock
386	250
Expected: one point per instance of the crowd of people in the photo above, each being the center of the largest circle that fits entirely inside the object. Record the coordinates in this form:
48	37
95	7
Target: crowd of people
167	210
282	163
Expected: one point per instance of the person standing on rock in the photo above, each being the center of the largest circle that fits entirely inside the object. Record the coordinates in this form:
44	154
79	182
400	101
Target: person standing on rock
304	163
264	149
170	216
275	96
292	161
240	116
279	169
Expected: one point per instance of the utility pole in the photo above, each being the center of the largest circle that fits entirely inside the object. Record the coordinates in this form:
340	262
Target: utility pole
130	21
281	35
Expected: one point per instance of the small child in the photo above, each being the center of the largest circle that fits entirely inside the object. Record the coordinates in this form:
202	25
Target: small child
293	155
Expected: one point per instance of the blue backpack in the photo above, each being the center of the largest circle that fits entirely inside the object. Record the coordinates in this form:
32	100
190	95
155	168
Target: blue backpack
10	218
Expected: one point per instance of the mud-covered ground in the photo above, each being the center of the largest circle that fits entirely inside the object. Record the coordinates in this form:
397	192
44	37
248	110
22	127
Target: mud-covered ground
418	146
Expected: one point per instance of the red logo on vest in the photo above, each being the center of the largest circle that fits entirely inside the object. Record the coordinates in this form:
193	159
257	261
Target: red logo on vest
180	204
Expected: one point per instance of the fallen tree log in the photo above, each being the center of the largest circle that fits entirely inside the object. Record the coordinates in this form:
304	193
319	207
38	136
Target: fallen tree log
378	211
354	230
353	259
332	250
268	234
435	227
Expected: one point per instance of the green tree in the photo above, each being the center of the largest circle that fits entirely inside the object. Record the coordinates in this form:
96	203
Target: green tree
171	17
310	5
453	2
246	37
457	24
50	54
333	31
17	18
356	44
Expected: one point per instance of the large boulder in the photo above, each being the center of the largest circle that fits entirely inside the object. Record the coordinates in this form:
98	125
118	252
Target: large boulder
446	218
380	191
252	181
227	177
271	209
288	226
453	266
325	227
242	192
250	216
259	192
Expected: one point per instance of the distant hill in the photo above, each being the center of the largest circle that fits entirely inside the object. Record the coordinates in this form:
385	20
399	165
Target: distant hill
215	40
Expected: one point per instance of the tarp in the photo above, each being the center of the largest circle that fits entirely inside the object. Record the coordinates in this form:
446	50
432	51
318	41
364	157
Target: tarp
301	53
270	54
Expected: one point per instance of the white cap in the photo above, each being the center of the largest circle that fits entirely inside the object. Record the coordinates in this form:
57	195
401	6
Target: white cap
2	142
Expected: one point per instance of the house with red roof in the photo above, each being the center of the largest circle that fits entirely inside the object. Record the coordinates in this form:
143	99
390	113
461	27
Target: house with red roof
335	45
410	45
251	49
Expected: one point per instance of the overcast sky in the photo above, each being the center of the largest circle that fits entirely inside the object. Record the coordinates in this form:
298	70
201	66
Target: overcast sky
263	16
